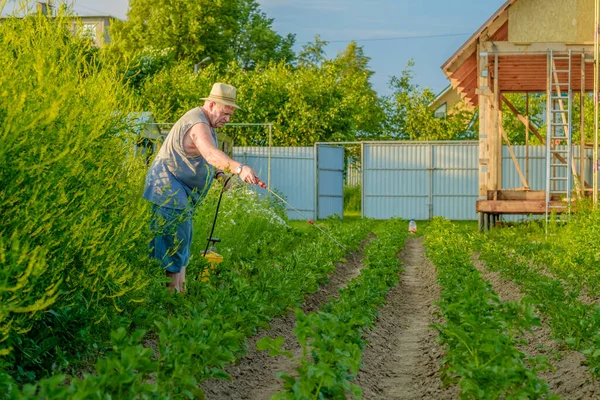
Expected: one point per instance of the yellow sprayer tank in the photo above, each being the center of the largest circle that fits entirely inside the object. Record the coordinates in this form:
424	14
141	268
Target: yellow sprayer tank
213	259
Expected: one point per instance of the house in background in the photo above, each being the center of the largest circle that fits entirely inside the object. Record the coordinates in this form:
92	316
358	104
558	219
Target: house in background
94	27
447	102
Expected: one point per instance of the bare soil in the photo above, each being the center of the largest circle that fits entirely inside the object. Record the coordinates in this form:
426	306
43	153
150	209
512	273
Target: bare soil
402	359
254	376
569	378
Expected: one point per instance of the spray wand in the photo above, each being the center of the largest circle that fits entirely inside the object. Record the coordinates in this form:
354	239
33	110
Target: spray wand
310	221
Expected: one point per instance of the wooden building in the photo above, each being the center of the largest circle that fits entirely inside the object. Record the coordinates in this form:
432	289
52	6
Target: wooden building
529	46
93	27
447	102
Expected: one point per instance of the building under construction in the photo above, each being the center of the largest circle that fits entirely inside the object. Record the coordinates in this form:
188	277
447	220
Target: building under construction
532	46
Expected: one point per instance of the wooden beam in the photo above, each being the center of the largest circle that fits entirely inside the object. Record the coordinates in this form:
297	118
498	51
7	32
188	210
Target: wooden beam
497	121
514	158
533	129
493	27
534	48
521	118
517	194
469	67
516	206
456	63
484	115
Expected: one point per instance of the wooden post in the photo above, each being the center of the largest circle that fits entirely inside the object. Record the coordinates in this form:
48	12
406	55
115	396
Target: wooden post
484	97
497	127
480	224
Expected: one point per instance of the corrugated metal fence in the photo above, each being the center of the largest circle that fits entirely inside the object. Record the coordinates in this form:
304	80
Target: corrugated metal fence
417	180
420	180
291	174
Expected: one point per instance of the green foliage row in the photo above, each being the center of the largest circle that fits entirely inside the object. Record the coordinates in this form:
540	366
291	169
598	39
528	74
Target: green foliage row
574	322
480	331
305	105
331	339
73	244
193	337
568	251
73	234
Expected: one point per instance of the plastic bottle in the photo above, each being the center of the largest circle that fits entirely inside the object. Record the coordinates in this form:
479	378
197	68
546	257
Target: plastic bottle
412	227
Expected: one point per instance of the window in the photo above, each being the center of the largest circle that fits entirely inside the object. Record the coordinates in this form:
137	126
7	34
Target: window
89	31
441	111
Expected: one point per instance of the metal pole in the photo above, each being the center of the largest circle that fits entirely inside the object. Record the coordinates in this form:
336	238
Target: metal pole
316	163
431	168
362	179
569	132
269	160
581	129
596	71
269	155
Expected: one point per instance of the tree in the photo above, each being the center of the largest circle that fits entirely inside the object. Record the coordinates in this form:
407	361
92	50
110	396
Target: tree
257	43
312	54
351	69
191	30
409	116
331	102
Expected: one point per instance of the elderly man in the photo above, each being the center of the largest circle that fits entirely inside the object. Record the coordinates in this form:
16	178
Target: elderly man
181	175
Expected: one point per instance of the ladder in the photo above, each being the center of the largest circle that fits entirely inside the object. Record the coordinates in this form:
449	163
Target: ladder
558	135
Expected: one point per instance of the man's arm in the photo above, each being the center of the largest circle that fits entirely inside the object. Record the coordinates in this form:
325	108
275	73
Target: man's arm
200	135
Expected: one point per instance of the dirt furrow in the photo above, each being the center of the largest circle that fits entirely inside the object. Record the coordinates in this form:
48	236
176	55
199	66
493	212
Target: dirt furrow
569	377
402	359
254	376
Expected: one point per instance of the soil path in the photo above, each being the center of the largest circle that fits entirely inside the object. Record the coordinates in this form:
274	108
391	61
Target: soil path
570	379
402	359
254	376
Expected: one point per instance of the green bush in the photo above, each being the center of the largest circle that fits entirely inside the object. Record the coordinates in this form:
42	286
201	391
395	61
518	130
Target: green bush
352	198
72	240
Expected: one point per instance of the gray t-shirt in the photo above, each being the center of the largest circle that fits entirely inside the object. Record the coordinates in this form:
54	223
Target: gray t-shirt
174	177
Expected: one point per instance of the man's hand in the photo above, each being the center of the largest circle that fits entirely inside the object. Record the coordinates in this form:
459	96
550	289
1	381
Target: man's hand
248	175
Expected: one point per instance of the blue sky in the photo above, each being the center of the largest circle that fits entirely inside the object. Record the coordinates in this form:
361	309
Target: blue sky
391	32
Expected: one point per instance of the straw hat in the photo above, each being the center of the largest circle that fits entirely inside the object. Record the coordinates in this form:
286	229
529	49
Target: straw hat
222	93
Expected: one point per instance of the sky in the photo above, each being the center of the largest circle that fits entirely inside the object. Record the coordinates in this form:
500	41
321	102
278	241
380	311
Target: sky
391	32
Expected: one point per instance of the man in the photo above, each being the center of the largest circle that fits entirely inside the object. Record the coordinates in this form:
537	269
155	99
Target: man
181	175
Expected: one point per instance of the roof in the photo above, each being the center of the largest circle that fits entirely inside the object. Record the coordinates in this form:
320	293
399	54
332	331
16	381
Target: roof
522	67
472	41
440	95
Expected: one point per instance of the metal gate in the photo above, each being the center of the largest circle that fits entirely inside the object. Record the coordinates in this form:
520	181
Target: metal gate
330	180
419	180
